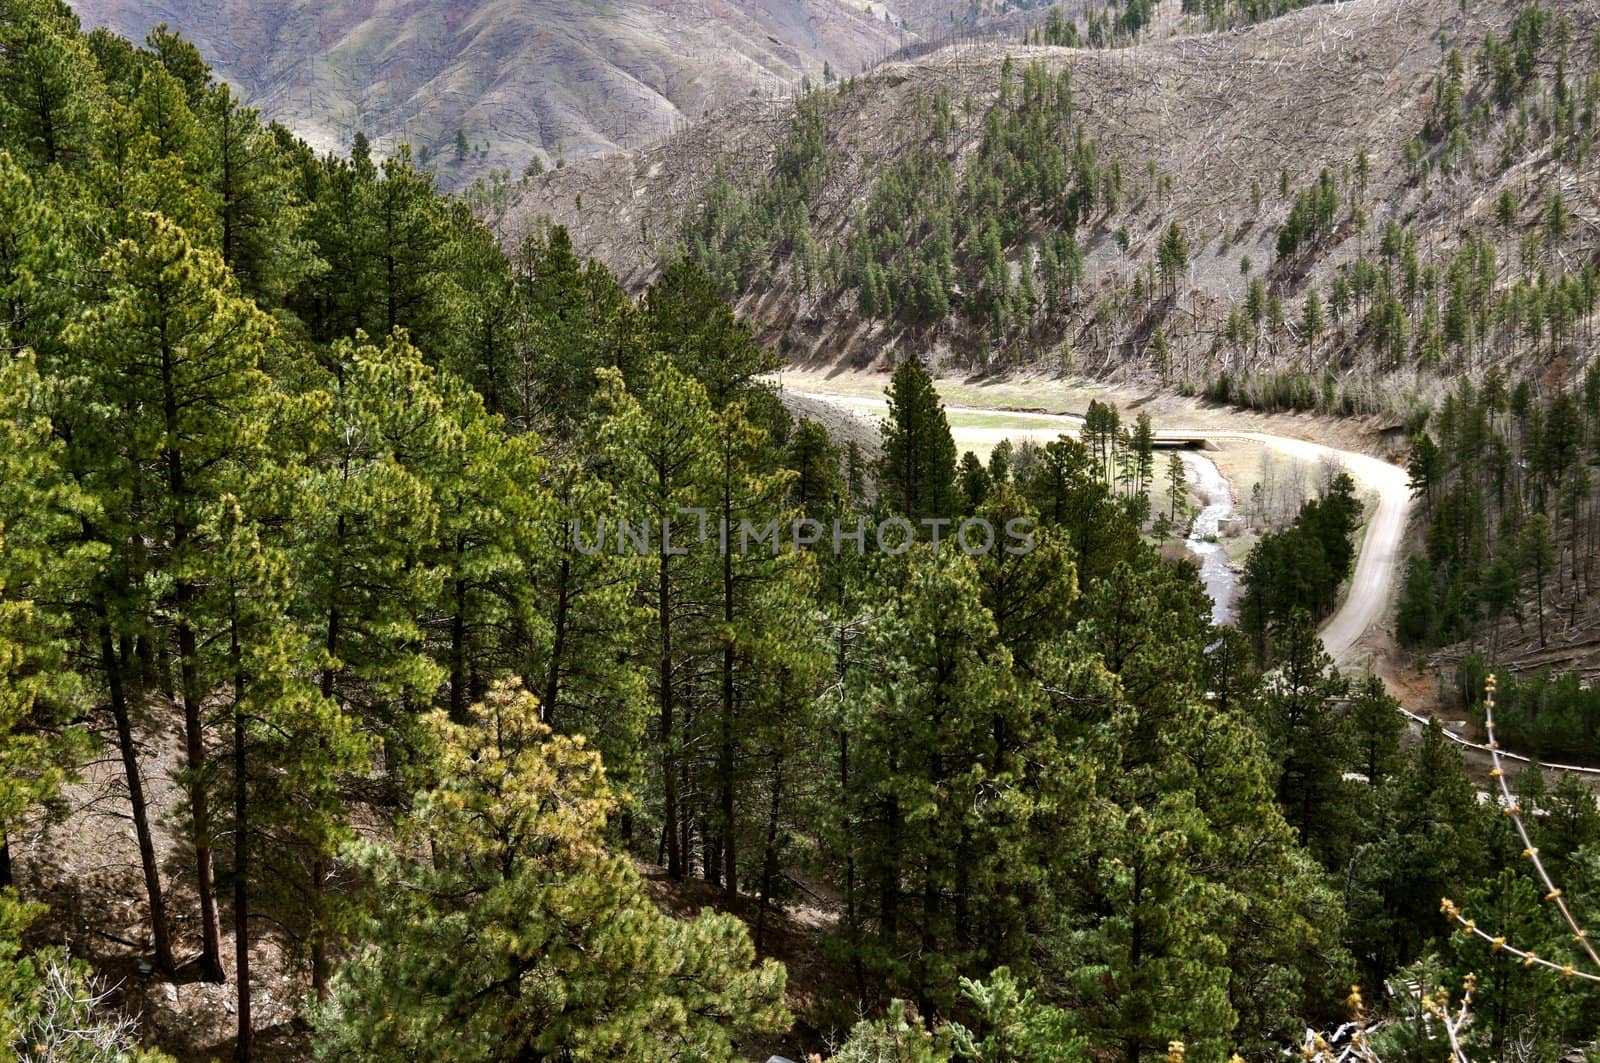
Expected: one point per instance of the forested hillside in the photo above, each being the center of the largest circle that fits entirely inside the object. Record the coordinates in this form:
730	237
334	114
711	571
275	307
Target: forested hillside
492	619
1338	209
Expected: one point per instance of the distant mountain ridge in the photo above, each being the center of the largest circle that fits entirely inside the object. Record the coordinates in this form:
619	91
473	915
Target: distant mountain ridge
519	79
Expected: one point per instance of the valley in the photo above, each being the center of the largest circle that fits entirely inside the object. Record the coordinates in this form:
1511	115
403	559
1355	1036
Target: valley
1354	634
419	639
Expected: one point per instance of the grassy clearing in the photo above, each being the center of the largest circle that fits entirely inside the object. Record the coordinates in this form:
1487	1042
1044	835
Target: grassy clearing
963	419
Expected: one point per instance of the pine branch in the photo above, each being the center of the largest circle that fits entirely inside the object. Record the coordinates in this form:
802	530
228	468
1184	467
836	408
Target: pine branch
1553	893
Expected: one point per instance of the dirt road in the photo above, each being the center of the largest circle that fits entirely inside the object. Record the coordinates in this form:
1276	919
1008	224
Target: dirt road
1377	566
1378	563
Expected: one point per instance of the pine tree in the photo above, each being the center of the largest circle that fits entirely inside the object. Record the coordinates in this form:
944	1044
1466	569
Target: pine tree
413	252
935	690
523	936
1173	258
1311	322
36	267
1143	445
917	472
1160	356
50	96
1065	489
1537	552
819	481
164	176
573	319
1431	843
756	590
972	482
1376	727
656	440
1176	488
177	354
1309	737
290	745
1423	466
40	694
342	224
363	586
1000	462
686	317
585	625
492	515
1160	974
262	220
1519	1003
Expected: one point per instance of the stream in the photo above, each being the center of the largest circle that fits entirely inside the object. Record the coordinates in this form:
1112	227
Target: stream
1211	486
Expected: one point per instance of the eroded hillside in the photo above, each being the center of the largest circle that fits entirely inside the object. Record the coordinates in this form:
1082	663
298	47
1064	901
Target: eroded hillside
1338	150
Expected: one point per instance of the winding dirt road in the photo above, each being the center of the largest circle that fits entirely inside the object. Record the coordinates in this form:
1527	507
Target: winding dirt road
1377	566
1352	635
1378	562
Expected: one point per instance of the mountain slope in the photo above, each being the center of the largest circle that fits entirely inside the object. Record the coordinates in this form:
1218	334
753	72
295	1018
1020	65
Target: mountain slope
1222	134
542	80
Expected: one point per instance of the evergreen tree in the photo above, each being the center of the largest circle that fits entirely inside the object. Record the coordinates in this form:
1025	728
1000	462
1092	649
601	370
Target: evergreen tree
1376	727
1537	556
1176	488
1311	323
572	320
685	316
1173	257
40	694
263	222
362	585
1431	843
586	625
177	354
1311	739
50	95
817	462
290	745
522	935
972	482
657	440
936	690
917	472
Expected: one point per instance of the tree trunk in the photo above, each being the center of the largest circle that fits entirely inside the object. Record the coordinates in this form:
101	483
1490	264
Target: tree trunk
244	1043
199	801
319	945
319	863
458	652
1539	603
189	681
769	858
558	644
730	872
851	915
159	934
669	762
